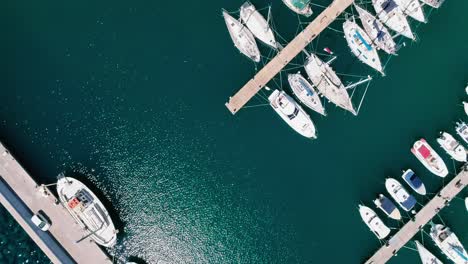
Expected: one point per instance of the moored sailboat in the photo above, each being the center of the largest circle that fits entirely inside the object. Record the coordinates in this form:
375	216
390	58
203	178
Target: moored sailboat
449	244
399	194
374	223
388	207
429	158
242	37
306	93
426	256
390	14
301	7
452	147
257	24
412	8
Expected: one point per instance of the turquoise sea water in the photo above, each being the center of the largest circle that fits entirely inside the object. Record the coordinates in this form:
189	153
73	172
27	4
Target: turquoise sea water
130	97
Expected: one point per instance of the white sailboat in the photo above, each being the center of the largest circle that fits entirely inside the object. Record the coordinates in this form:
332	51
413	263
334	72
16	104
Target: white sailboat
449	244
378	33
301	7
292	113
306	93
462	130
433	3
327	82
412	8
361	45
242	37
374	223
257	24
390	14
87	210
429	158
426	256
452	147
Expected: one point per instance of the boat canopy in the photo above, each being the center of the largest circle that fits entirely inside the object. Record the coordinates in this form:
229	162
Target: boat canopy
387	205
424	151
409	203
389	6
301	4
413	179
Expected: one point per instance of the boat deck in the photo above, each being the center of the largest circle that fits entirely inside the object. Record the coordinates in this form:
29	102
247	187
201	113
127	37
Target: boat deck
22	197
288	53
425	215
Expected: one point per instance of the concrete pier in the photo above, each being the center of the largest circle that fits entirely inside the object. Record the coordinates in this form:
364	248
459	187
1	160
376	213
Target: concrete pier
425	215
299	43
23	197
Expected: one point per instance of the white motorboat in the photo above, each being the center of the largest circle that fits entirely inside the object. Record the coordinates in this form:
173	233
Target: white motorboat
87	210
390	14
426	256
377	32
429	158
412	8
462	130
414	181
465	106
466	203
466	89
433	3
306	93
452	146
257	24
388	207
292	113
374	223
328	83
301	7
400	194
361	45
449	244
242	37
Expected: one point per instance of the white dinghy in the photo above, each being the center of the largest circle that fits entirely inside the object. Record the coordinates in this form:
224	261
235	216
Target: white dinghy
257	24
390	14
242	37
306	93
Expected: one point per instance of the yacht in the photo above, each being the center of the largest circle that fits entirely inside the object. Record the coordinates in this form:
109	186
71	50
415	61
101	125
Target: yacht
449	244
429	158
399	194
292	113
462	130
242	37
257	24
373	222
414	181
465	106
426	256
377	32
388	207
87	210
390	14
306	93
452	146
301	7
327	83
412	8
361	45
433	3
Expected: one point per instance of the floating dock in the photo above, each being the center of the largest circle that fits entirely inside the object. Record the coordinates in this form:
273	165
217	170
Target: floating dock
283	57
425	215
23	197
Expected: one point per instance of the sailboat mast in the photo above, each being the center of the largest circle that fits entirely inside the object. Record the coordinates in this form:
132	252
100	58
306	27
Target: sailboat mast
358	83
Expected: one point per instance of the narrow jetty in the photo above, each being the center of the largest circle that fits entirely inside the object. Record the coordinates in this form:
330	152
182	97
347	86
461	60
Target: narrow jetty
23	197
294	47
425	215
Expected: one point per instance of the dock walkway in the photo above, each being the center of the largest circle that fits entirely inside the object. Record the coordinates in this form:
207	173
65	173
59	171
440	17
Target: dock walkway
59	244
299	43
425	215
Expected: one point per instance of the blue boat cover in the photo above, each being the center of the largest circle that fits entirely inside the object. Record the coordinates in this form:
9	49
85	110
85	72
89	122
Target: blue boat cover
361	38
413	180
409	203
306	87
387	205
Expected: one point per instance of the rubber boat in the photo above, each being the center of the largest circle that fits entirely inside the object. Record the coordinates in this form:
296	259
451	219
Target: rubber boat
377	32
257	24
426	256
412	8
87	210
292	113
390	14
374	223
462	130
388	207
328	83
301	7
306	93
361	45
414	182
429	158
452	147
433	3
449	244
242	37
399	194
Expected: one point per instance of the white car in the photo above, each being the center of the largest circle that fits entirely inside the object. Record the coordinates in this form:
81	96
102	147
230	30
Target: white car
40	221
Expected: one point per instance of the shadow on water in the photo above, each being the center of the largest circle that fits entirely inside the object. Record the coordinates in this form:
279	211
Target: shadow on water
136	260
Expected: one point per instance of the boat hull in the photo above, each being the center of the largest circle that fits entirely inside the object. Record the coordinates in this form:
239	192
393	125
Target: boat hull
242	38
399	194
449	244
414	182
426	256
452	147
374	223
257	24
306	11
413	9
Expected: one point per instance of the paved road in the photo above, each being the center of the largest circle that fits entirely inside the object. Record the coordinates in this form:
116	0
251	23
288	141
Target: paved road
20	208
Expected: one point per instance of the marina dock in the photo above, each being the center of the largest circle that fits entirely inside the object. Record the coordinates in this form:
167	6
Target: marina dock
23	197
299	43
425	215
